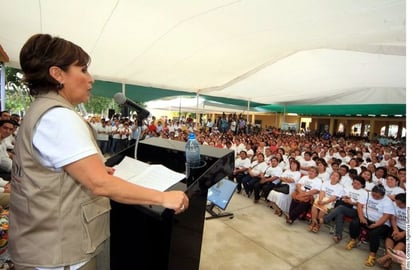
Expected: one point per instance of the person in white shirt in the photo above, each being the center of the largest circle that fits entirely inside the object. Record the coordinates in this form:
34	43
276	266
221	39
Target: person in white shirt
379	175
242	164
55	143
103	131
353	164
396	239
306	163
268	179
323	172
342	156
329	193
238	146
346	180
307	187
373	215
6	129
367	175
392	186
346	207
249	151
255	170
280	201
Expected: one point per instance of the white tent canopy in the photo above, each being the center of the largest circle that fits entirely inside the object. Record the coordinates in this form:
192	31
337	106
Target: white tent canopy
264	51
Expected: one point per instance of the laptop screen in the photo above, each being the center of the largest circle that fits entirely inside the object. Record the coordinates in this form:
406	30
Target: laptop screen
221	193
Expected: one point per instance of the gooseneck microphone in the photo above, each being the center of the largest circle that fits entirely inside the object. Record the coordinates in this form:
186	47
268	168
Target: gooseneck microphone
121	99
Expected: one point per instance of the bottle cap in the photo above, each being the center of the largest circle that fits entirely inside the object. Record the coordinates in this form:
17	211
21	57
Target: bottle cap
192	136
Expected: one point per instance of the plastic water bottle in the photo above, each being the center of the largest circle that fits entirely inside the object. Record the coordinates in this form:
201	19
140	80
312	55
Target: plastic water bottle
192	149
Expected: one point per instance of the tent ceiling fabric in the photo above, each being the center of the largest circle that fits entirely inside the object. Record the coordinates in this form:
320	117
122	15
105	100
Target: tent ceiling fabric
268	52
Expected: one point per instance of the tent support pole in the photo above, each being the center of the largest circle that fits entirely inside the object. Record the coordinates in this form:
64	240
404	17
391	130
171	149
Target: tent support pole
3	85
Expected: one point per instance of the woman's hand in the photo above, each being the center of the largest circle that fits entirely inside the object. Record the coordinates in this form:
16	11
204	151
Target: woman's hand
110	170
397	235
363	220
176	200
7	188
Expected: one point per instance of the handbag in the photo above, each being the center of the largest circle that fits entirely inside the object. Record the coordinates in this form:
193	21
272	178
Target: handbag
282	188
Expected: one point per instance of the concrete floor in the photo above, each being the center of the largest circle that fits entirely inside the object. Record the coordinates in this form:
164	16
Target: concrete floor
257	239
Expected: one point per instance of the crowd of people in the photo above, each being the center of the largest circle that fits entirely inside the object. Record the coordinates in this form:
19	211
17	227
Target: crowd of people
327	181
323	180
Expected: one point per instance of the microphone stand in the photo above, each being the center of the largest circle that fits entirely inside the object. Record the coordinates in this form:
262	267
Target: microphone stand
139	122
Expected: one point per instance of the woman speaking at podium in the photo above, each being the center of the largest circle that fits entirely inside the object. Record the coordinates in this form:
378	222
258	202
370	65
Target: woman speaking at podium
61	187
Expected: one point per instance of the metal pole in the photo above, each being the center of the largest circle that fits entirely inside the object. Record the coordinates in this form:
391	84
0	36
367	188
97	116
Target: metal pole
3	86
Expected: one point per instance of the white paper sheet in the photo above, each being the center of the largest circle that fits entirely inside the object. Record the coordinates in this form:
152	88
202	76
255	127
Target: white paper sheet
154	176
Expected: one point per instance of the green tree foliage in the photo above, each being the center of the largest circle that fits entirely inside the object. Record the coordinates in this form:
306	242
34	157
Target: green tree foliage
100	105
17	94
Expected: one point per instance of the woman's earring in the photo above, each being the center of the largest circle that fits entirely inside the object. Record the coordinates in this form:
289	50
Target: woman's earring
60	86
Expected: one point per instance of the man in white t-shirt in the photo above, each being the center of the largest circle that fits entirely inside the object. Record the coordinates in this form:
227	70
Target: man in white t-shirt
242	164
306	163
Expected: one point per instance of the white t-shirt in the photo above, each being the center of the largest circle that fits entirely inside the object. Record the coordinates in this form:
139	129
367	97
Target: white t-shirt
310	184
332	190
346	181
258	168
374	209
274	171
400	214
356	195
60	138
5	160
292	174
393	190
306	163
325	176
242	163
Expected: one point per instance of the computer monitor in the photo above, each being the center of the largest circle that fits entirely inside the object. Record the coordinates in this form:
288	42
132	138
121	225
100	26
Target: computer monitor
221	193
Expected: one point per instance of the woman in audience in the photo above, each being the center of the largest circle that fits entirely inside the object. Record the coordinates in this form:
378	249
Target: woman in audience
322	168
302	198
282	163
330	192
402	178
379	175
367	175
255	171
280	201
373	215
346	207
391	186
397	238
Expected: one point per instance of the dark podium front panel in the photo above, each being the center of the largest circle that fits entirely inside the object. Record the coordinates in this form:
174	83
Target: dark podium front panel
152	237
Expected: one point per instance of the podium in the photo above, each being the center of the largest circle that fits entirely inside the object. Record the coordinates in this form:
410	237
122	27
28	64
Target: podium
152	237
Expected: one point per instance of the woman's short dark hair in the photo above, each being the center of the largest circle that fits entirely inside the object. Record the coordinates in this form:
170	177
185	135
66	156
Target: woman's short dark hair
360	179
296	162
42	51
379	188
401	197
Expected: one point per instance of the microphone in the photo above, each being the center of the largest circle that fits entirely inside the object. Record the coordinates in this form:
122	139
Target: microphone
121	99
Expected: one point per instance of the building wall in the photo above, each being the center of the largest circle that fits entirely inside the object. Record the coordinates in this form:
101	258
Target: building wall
323	123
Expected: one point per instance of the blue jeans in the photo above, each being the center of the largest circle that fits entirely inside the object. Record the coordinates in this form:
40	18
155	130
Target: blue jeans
103	146
115	146
339	214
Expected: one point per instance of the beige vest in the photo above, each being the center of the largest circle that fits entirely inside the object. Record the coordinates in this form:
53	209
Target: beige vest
54	220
